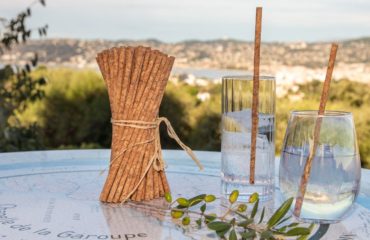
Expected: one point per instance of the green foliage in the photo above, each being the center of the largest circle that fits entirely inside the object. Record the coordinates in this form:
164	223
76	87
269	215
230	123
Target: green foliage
176	108
17	90
75	111
17	87
26	138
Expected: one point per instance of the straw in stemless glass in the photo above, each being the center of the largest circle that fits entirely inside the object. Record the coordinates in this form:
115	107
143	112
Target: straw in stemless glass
324	97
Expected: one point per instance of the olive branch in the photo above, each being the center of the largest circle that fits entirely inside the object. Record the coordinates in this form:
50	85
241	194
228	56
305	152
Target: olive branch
236	222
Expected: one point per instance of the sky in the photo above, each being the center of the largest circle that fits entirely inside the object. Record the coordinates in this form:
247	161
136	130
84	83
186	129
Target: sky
175	20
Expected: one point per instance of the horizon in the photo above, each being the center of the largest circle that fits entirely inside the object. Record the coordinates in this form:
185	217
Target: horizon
200	40
169	21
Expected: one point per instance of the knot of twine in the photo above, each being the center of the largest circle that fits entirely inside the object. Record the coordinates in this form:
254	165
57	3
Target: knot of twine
156	159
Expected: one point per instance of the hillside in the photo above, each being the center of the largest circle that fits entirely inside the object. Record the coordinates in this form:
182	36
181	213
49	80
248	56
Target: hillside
300	60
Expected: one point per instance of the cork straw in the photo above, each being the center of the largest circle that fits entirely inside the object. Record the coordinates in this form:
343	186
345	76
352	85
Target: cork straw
135	135
150	115
138	60
154	176
256	73
159	100
324	98
141	98
144	158
140	112
129	52
116	68
106	75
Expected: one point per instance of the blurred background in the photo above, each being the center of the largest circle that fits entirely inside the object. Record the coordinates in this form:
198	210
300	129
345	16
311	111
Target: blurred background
52	95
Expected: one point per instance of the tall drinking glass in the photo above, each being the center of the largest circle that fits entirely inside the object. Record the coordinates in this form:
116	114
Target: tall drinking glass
334	179
237	94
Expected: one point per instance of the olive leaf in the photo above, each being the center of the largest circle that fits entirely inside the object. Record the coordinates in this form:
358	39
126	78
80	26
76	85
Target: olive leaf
222	233
282	229
254	210
200	197
248	235
283	220
262	215
245	223
241	215
266	235
199	222
298	231
293	224
280	213
232	235
195	202
219	226
210	217
203	208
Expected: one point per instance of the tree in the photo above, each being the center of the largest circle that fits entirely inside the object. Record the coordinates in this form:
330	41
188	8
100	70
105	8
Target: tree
17	86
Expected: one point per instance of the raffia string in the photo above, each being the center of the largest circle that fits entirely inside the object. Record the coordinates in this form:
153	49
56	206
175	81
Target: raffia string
156	160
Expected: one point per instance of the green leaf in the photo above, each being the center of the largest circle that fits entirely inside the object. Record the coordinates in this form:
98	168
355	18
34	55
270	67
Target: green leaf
201	197
233	196
262	215
248	235
253	198
266	234
241	215
186	221
242	207
210	217
199	222
282	229
176	214
303	237
232	221
298	231
232	235
280	213
168	197
245	223
195	202
222	233
203	208
210	198
293	224
284	220
255	208
182	202
219	226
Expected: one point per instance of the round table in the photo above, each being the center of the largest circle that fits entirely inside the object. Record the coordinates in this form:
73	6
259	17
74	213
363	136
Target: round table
54	195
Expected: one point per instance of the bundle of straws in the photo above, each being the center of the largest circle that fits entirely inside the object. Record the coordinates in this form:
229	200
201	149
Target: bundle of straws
135	78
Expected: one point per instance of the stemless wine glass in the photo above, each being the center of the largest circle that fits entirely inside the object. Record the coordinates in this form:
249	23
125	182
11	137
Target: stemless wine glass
334	178
237	94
